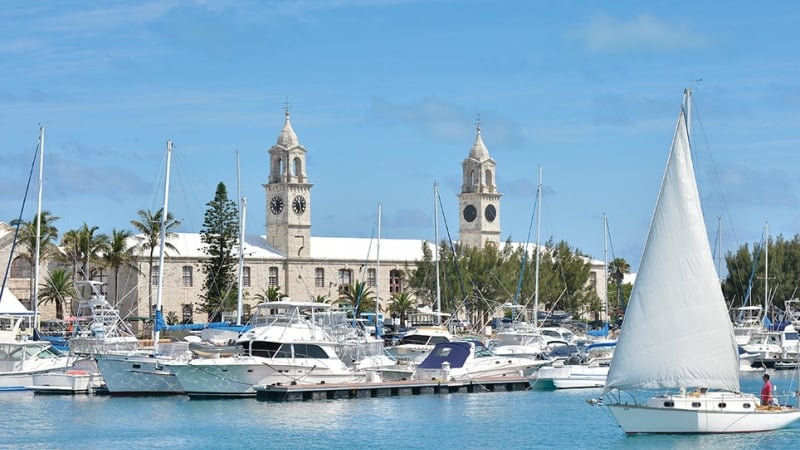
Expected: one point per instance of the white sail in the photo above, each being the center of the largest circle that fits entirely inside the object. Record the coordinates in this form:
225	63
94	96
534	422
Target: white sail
676	332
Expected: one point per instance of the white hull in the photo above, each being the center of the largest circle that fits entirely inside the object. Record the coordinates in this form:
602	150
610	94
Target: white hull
133	374
235	377
702	413
483	368
66	382
569	377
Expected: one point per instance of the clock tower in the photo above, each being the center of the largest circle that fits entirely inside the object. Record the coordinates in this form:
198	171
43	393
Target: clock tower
479	201
288	196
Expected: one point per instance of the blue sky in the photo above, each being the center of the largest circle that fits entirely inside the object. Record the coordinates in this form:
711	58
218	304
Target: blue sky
384	94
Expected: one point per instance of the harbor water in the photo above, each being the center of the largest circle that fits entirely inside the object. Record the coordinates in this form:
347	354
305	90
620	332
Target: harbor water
502	420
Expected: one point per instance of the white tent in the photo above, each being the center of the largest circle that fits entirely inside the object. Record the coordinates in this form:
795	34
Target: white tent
10	304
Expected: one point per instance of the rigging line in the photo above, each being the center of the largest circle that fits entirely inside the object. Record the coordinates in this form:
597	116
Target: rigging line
756	253
525	248
19	219
464	302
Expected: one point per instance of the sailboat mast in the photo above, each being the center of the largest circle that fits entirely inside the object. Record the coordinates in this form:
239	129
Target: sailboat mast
436	251
605	263
162	239
242	207
538	234
378	276
766	269
35	293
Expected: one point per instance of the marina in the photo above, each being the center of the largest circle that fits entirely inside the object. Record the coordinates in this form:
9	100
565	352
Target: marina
511	420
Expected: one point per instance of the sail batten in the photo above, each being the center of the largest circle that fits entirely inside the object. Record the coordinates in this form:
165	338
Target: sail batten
676	332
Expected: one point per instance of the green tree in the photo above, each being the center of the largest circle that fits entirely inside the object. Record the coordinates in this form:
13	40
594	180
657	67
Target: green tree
149	239
90	247
118	255
220	234
358	296
271	294
26	240
402	304
59	289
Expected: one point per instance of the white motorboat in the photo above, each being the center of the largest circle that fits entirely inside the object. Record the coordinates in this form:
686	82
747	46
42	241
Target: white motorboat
469	360
586	369
285	346
21	358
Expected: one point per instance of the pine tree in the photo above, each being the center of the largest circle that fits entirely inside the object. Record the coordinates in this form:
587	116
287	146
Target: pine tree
220	238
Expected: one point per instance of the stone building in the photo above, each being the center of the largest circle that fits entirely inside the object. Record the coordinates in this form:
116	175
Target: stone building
288	256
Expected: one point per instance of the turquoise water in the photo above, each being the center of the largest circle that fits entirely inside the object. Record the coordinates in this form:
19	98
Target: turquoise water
507	420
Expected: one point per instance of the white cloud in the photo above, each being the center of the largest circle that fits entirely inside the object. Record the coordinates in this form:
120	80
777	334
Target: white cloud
605	34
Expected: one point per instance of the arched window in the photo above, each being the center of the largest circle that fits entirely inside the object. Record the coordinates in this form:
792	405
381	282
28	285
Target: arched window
345	278
297	167
473	179
488	178
20	268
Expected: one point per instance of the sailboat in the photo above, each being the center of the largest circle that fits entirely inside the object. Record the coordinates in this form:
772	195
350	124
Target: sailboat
676	334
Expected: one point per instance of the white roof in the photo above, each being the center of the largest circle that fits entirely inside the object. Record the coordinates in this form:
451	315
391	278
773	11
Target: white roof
189	245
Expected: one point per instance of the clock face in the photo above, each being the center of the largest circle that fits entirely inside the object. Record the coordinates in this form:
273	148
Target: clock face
470	213
490	213
276	205
299	204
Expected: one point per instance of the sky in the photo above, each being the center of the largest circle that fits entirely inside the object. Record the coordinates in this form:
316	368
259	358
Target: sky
385	96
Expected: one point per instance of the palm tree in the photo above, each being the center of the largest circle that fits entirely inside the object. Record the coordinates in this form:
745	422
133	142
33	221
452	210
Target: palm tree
359	296
90	246
271	294
118	255
149	228
402	304
70	247
27	239
57	288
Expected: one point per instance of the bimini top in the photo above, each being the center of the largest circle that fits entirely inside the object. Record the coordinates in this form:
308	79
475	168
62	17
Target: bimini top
456	353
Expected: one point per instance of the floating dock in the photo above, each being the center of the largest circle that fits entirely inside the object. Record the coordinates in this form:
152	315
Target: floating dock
288	393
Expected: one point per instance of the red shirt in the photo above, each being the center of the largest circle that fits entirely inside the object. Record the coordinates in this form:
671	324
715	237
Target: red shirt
766	394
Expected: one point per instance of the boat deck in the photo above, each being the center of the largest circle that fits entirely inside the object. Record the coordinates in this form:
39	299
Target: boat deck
288	393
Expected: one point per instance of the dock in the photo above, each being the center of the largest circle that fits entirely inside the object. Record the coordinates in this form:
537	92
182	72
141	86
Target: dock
299	392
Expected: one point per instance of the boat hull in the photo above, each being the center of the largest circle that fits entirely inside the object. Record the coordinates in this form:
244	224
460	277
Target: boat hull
137	375
235	377
66	382
713	413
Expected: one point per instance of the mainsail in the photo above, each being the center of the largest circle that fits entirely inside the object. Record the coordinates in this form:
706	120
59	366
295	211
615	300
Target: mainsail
676	332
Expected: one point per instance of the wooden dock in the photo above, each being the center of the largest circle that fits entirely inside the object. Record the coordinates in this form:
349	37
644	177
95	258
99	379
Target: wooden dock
288	393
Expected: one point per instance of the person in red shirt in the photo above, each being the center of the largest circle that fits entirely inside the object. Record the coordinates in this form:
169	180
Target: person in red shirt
766	392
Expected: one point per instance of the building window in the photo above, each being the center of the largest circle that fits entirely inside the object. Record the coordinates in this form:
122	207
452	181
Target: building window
186	313
372	277
395	281
154	276
593	280
273	277
319	277
345	279
187	276
246	276
20	268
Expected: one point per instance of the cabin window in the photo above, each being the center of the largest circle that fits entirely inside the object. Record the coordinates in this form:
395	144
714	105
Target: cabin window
669	404
309	351
438	340
265	349
187	276
722	405
319	277
746	405
695	404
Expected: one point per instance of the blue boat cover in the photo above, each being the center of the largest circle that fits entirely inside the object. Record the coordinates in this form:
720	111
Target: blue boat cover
456	353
